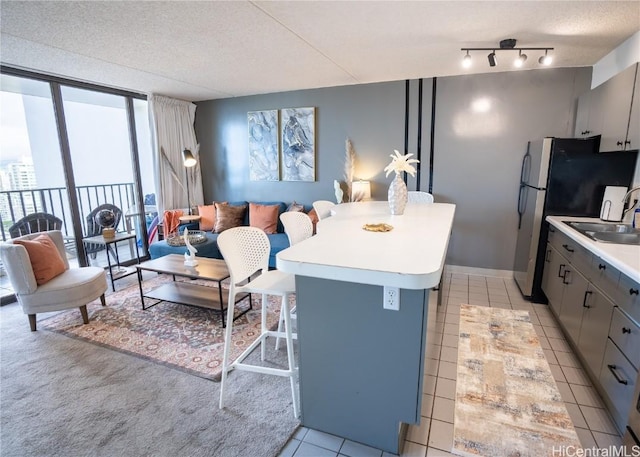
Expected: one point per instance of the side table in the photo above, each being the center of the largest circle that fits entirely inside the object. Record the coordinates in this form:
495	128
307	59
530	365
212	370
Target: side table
116	271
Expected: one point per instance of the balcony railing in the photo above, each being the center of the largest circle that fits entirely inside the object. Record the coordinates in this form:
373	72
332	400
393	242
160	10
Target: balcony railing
15	204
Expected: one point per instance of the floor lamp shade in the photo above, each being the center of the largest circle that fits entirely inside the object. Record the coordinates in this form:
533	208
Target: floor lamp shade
189	161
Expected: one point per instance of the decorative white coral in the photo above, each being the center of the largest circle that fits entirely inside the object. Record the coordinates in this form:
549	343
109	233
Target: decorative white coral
400	163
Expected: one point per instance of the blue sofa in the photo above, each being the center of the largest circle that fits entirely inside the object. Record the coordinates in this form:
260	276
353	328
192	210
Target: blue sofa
209	248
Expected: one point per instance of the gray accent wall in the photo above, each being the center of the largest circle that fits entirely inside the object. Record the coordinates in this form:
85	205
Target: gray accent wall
478	146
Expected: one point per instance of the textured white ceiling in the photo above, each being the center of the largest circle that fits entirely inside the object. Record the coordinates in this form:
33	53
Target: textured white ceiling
199	50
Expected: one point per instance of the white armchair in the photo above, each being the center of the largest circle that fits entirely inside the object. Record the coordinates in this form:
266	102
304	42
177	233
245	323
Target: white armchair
72	289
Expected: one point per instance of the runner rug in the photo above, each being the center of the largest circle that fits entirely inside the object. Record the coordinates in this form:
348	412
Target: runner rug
182	337
507	402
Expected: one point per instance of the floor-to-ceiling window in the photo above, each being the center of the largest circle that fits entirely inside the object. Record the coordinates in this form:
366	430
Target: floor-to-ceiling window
68	148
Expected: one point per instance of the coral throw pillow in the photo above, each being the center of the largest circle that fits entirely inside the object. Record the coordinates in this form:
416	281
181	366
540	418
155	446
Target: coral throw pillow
314	219
207	215
228	216
264	217
44	257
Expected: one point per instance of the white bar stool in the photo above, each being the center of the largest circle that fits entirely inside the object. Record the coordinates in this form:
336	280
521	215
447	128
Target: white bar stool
246	252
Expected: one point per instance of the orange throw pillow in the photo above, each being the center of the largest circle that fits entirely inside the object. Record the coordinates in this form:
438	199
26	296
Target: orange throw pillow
207	215
264	217
44	257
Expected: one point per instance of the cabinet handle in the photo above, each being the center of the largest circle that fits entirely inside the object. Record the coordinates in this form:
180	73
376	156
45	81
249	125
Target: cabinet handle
564	277
584	300
546	256
560	270
586	132
566	246
627	142
626	330
634	292
619	143
602	267
612	369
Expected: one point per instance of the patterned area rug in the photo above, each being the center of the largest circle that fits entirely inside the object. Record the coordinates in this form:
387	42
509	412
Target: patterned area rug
507	402
182	337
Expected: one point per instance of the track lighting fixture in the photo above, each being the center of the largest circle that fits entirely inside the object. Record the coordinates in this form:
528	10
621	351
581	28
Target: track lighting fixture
492	58
466	61
508	45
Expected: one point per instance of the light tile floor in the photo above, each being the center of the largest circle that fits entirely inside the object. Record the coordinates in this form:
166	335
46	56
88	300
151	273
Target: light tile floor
434	436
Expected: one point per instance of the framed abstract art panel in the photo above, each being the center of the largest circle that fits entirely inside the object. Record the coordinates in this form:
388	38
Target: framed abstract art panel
263	145
298	144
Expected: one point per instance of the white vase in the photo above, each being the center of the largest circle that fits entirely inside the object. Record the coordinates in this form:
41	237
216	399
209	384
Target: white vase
397	195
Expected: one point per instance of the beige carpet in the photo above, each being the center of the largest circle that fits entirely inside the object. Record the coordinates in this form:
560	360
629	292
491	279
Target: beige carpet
182	337
507	402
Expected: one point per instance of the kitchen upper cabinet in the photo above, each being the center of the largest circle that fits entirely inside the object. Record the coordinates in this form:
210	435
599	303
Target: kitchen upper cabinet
582	116
607	109
633	135
615	103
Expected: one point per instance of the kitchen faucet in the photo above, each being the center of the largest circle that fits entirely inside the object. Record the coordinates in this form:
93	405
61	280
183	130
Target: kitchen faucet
626	197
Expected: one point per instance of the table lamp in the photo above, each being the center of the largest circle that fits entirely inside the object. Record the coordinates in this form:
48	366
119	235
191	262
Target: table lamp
360	191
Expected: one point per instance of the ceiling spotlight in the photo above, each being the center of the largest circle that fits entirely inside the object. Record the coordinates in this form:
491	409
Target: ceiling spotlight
492	59
545	59
466	61
520	60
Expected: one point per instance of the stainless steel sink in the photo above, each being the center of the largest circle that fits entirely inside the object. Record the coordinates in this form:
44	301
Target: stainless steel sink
608	232
601	227
614	237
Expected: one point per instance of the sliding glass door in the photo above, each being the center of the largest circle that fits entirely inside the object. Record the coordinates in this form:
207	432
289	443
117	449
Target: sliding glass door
69	149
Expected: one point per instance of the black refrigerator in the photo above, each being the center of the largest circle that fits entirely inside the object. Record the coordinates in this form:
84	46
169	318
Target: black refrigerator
561	177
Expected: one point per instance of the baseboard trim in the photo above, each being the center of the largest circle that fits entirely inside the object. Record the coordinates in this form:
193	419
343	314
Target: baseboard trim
458	269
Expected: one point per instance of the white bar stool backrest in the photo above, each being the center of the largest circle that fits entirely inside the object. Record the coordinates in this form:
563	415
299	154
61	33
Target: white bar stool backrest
323	208
245	250
297	226
415	196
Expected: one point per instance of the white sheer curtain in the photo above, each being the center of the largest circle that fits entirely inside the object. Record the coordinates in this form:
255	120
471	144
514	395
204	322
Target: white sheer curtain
172	130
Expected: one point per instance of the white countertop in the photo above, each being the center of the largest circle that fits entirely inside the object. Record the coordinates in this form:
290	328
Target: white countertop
411	256
624	257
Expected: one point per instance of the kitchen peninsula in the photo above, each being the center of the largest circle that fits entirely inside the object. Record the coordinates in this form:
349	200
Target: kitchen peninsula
361	364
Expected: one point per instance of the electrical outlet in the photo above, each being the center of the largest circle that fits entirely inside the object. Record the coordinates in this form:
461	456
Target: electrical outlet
391	298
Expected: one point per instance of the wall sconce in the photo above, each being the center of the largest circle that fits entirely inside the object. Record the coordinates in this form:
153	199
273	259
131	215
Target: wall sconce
189	161
360	191
507	45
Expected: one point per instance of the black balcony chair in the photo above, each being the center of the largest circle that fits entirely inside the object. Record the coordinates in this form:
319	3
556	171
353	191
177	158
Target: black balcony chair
93	228
42	222
34	223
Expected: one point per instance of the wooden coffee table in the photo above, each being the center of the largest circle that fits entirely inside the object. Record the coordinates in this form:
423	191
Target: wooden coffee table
186	293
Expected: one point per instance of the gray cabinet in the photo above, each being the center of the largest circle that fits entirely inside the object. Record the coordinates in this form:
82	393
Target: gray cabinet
606	110
573	301
599	309
552	277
